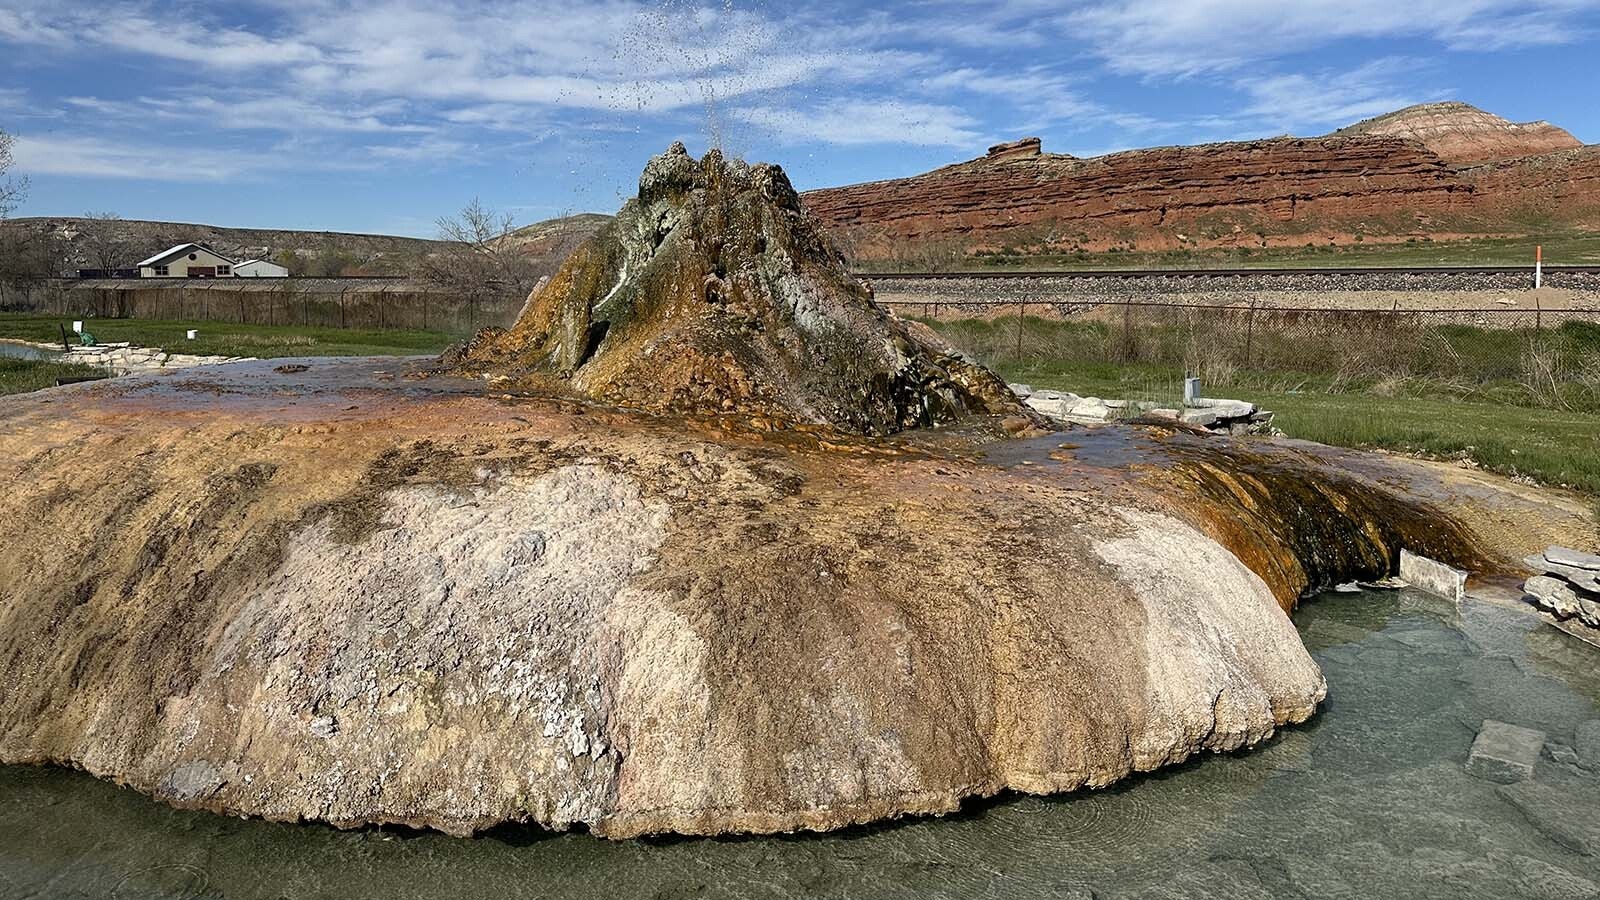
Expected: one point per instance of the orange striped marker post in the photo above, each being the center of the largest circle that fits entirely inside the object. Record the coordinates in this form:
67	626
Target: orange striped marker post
1538	267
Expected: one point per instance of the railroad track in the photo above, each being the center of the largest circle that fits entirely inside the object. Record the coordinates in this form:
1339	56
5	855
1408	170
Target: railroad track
1229	273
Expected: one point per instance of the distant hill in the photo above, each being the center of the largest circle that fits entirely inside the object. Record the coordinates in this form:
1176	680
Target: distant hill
84	242
1447	170
1460	133
136	239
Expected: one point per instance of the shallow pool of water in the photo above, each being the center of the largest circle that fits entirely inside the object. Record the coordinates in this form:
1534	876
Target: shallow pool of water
24	351
1367	800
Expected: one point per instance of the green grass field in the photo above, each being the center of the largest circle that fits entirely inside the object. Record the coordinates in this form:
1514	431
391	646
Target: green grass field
18	376
1501	418
1552	446
229	339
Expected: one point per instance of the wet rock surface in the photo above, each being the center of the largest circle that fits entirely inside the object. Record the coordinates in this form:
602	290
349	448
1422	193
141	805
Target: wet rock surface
1568	588
1504	753
359	596
666	573
713	291
1412	680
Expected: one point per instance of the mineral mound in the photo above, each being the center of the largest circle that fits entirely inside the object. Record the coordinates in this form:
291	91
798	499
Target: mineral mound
326	591
714	292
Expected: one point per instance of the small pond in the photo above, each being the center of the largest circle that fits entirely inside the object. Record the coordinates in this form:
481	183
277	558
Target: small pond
1368	800
10	350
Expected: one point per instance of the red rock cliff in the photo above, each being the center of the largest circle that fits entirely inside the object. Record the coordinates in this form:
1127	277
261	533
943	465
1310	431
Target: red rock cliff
1380	178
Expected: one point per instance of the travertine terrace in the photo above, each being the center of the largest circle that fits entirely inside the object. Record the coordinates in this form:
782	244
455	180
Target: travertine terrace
364	593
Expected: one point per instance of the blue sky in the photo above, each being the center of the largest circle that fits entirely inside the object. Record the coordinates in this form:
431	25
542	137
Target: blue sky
369	116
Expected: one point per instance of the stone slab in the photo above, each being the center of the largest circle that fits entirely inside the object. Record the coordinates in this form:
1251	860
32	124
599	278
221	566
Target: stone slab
1504	753
1566	556
1580	578
1227	409
1564	600
1433	576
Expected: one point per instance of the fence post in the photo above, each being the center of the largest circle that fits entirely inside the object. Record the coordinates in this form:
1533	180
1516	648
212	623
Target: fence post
1022	311
1538	314
342	289
1127	332
1250	333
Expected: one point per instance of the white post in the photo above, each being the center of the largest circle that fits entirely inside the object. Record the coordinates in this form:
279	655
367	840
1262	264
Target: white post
1538	267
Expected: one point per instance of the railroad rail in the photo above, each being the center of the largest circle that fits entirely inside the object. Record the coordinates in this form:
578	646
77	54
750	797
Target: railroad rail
1229	273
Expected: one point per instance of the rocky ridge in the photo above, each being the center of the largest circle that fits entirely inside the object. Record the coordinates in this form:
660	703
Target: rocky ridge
1460	133
1419	172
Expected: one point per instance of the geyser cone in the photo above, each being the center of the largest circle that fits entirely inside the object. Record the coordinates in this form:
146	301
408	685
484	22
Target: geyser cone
713	292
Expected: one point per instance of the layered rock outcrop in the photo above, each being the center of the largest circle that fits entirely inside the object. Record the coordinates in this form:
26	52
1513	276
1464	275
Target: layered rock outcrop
714	292
1446	168
1462	134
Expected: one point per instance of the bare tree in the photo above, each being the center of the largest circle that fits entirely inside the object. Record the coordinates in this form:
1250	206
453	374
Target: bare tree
25	255
484	263
11	189
104	242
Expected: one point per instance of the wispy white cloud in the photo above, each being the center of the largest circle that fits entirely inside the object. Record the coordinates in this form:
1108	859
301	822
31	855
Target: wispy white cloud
1191	37
1331	98
255	111
99	157
103	158
855	122
406	84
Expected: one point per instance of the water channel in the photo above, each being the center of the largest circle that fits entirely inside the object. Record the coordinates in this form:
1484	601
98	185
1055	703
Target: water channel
1367	800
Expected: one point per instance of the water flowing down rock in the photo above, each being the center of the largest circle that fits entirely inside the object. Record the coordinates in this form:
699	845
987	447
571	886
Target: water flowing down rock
714	292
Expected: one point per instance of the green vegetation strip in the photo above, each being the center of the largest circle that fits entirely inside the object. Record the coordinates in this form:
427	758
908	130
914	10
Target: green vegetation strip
18	376
1465	393
229	339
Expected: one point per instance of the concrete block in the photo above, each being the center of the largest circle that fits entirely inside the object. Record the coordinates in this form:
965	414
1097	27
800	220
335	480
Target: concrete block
1504	753
1433	576
1191	391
